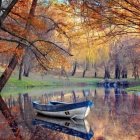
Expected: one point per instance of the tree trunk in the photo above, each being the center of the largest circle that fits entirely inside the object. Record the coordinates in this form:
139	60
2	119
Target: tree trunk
117	67
27	62
74	96
7	11
86	66
117	71
107	73
74	69
124	72
84	73
10	119
95	68
20	69
0	4
136	73
7	73
27	56
26	72
95	74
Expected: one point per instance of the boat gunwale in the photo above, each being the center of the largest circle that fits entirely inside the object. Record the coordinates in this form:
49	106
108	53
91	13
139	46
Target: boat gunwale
61	107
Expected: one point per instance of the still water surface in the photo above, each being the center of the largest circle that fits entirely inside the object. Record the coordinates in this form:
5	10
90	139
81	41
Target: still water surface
114	116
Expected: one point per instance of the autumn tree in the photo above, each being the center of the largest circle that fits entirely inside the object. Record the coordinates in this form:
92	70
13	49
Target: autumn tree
23	26
20	26
113	19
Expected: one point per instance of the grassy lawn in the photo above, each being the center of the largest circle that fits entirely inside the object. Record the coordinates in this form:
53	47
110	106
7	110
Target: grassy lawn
49	84
25	82
134	85
49	81
135	89
89	81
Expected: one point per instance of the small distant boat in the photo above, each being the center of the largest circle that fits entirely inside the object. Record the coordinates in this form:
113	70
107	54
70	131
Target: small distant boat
78	128
78	110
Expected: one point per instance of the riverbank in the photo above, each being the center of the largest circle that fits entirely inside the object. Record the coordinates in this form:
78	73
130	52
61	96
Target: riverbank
135	88
129	84
50	81
134	85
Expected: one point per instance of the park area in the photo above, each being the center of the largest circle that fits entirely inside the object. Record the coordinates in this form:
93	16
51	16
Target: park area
69	70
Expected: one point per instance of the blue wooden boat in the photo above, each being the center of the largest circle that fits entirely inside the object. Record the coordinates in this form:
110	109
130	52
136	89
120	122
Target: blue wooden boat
79	110
78	128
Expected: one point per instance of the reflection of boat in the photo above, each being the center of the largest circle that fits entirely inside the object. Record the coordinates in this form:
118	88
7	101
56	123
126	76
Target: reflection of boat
78	110
78	128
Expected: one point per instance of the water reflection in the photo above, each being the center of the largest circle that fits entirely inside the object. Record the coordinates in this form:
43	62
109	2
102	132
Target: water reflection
115	115
78	128
9	118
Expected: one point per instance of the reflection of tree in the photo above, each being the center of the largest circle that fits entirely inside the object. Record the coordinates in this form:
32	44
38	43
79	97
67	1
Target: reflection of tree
62	96
125	95
74	96
135	103
107	100
120	123
95	97
95	92
106	96
28	112
10	118
86	94
117	99
41	133
37	132
20	106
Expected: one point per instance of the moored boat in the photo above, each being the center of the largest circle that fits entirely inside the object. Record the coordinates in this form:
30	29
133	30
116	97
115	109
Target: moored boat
79	110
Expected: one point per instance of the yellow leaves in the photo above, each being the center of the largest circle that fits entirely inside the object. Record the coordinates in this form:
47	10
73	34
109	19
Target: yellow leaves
52	57
59	61
60	12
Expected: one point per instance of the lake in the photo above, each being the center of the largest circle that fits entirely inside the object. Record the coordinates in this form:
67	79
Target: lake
115	115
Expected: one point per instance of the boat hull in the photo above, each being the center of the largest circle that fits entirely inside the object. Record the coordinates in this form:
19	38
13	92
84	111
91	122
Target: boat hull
79	113
78	110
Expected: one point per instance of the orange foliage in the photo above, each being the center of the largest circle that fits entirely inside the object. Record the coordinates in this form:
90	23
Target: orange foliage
7	47
35	28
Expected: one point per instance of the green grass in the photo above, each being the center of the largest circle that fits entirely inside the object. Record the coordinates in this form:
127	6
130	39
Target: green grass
85	80
48	83
135	89
14	82
134	85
